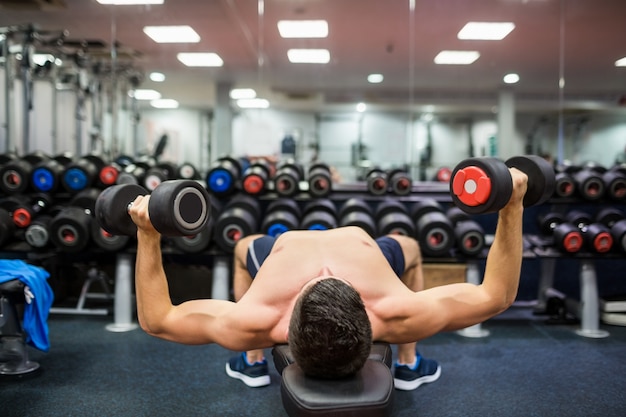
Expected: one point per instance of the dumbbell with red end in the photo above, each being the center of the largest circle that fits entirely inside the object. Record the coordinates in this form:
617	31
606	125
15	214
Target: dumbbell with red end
256	177
223	175
15	175
287	178
433	229
484	184
161	172
176	208
443	174
195	243
319	214
565	236
30	206
83	173
399	182
469	234
239	218
589	182
359	213
565	186
281	215
392	217
597	237
376	180
320	180
615	182
70	230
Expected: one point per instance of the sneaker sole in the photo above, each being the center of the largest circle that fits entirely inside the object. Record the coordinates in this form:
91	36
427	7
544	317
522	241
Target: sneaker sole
403	385
260	381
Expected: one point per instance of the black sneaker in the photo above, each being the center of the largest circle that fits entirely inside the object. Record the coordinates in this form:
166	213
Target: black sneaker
255	375
424	371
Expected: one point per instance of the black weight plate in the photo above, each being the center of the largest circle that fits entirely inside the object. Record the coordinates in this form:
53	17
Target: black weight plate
423	207
359	219
541	178
179	208
70	230
104	240
112	208
195	243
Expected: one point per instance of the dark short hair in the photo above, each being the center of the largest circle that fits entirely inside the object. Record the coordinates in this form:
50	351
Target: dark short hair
330	335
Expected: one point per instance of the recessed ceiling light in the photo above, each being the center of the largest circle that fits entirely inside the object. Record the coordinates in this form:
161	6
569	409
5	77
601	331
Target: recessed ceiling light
511	78
144	94
309	56
164	103
303	28
240	93
375	78
172	34
361	107
200	59
489	31
621	62
130	2
456	57
157	77
253	103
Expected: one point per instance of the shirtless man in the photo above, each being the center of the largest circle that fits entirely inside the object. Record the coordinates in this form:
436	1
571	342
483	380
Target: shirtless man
328	294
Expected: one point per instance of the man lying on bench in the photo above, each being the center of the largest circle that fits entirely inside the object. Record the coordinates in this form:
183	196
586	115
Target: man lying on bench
329	294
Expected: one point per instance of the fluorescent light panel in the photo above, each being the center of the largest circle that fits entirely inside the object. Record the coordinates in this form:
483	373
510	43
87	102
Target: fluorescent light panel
621	62
144	94
303	28
130	2
157	77
511	78
487	31
200	59
375	78
172	34
308	56
242	93
164	103
253	103
456	57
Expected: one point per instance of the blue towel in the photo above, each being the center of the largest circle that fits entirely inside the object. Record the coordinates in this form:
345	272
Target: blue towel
36	313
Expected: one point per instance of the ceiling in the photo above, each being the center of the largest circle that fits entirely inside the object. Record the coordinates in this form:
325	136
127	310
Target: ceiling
579	39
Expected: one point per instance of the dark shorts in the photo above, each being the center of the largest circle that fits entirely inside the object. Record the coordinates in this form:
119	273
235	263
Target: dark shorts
260	248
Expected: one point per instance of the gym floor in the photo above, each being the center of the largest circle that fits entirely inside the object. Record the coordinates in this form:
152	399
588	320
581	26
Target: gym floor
524	368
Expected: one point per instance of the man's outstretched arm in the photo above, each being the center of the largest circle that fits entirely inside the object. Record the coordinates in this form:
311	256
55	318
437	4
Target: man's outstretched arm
192	322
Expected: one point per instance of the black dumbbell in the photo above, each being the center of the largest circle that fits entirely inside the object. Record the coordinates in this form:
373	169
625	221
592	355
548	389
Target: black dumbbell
376	180
596	236
46	175
589	182
187	171
282	215
618	231
433	229
320	180
7	227
70	230
392	217
357	212
565	186
200	241
608	216
134	173
484	184
399	182
176	207
615	182
256	177
29	207
319	214
161	172
469	234
239	218
222	177
566	236
287	178
37	234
